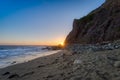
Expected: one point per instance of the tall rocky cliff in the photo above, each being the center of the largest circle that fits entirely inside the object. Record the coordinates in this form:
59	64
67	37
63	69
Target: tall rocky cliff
102	24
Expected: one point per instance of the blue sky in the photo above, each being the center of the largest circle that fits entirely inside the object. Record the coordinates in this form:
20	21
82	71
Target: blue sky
40	21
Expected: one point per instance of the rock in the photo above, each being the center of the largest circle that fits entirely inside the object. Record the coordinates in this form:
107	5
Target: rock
77	61
26	74
13	76
117	64
76	64
49	76
41	66
76	67
88	48
116	46
100	25
62	55
76	78
103	75
13	62
112	58
6	73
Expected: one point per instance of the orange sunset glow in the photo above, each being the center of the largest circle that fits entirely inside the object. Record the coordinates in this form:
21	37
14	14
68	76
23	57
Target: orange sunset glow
39	42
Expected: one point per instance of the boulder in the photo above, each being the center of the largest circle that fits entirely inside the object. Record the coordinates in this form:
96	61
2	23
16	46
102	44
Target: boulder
117	64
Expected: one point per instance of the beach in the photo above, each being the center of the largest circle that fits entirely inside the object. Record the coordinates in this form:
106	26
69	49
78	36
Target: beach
38	42
67	65
38	69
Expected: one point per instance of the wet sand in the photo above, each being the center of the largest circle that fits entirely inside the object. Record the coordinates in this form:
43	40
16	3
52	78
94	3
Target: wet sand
24	58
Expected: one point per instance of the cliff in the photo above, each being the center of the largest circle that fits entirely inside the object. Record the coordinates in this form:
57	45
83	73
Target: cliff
102	24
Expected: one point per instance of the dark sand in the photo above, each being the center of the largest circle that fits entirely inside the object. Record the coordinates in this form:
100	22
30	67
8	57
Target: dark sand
67	65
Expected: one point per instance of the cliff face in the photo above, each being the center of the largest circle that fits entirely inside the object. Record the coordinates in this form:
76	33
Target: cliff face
102	24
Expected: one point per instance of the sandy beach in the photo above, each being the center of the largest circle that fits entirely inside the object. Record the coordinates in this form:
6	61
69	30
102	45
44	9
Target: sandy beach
39	69
38	42
67	65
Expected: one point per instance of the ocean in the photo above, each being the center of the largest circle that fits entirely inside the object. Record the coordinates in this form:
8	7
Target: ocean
10	55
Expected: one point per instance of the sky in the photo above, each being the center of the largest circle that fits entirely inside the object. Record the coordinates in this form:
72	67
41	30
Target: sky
40	22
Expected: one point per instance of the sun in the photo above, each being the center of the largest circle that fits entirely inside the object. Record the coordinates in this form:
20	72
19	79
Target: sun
61	43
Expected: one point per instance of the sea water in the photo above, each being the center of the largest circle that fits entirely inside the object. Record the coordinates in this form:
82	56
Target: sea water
10	55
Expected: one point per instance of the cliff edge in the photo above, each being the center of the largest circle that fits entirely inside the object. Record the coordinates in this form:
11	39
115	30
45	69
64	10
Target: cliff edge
102	24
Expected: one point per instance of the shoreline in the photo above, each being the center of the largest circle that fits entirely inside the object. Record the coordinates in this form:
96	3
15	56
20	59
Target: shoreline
24	58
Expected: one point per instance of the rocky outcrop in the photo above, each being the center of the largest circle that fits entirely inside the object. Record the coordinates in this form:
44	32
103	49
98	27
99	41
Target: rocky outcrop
87	48
102	24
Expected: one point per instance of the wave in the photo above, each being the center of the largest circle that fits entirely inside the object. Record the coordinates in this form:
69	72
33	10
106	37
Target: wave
8	51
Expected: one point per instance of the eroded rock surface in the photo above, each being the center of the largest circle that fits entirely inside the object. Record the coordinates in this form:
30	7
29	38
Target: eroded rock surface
102	24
